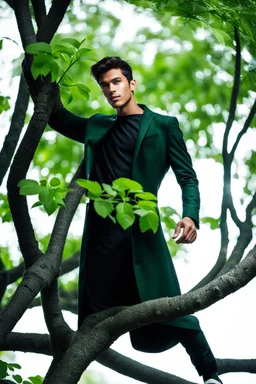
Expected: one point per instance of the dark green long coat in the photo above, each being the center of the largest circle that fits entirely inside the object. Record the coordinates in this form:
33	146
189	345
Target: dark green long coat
159	145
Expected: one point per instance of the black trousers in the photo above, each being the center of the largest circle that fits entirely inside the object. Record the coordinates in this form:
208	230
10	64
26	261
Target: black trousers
166	336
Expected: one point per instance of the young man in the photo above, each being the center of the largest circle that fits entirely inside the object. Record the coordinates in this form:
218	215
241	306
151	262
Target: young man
126	267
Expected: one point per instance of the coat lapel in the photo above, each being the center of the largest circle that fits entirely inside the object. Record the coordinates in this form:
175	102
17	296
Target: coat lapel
97	128
145	122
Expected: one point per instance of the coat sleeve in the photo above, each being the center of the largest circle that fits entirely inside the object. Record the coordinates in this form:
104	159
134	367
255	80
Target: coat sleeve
181	164
69	124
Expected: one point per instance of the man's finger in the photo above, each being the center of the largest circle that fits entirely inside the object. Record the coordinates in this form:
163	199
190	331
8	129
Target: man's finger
177	230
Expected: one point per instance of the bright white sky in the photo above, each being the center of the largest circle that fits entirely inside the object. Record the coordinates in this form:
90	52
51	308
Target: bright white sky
228	325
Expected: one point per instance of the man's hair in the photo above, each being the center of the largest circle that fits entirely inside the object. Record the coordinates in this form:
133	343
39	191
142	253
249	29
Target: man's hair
108	63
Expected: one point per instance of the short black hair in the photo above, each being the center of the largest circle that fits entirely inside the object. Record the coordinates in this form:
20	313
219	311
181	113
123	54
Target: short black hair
108	63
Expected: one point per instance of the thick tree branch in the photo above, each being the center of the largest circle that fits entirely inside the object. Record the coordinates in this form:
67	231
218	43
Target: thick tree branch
46	268
39	11
236	365
141	372
22	159
16	126
105	332
24	21
52	20
40	343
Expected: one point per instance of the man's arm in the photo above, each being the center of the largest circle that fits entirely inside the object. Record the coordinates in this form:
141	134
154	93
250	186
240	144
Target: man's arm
63	121
68	124
181	164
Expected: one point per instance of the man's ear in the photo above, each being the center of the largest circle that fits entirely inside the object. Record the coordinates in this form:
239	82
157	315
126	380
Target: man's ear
133	85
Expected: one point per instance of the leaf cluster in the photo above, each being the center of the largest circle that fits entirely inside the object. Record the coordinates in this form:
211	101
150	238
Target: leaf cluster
7	369
122	202
50	194
56	59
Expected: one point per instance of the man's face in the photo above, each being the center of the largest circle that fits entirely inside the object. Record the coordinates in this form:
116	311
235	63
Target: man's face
116	88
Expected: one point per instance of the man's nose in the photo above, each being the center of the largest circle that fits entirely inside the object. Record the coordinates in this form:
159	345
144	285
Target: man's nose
112	88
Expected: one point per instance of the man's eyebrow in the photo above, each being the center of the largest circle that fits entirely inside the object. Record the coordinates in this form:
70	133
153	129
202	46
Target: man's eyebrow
115	78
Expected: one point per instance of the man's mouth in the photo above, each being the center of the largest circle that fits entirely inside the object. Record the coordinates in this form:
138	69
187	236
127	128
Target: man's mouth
114	98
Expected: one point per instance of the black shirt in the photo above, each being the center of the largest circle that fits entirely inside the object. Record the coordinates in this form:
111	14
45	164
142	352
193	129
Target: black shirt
110	279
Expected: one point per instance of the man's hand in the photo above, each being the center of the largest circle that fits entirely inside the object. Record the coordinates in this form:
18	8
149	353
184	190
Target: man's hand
189	231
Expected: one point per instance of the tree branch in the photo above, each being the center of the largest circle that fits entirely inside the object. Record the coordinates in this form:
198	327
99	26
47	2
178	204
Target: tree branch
39	11
234	95
77	358
22	159
227	202
40	343
44	269
53	20
24	21
245	128
243	240
16	126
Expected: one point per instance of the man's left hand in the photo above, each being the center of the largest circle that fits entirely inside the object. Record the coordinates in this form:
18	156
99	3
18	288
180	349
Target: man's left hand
189	231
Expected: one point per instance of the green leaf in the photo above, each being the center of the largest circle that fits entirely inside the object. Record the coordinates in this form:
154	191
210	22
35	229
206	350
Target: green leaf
145	203
92	196
4	103
92	186
7	217
149	221
37	48
1	44
14	365
109	189
125	215
67	49
17	378
37	204
55	70
75	43
36	379
126	183
214	223
146	196
46	196
3	369
59	200
103	207
29	187
83	53
40	66
43	182
54	182
141	212
83	90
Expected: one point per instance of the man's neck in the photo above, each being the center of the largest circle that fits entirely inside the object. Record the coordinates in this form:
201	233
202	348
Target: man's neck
132	108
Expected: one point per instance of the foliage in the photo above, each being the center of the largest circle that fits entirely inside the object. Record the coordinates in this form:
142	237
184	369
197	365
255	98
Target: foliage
57	59
7	369
218	16
120	201
50	195
5	213
127	198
